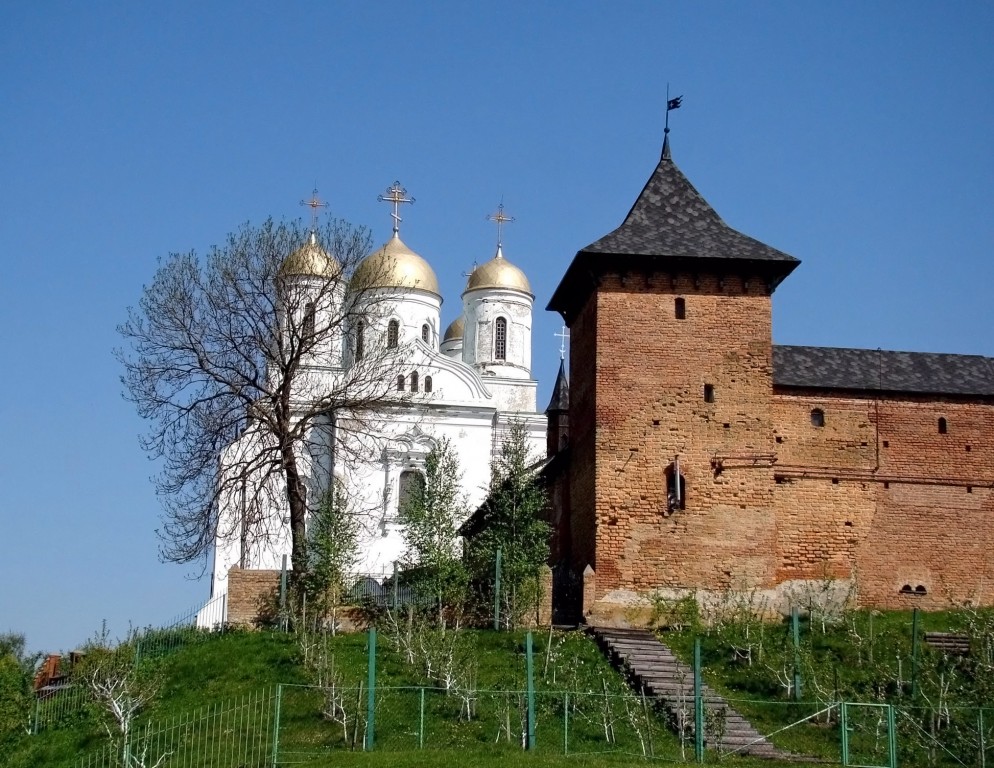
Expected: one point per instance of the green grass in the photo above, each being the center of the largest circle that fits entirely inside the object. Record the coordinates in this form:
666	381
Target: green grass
217	671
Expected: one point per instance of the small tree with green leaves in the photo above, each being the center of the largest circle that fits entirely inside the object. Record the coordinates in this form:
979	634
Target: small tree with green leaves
430	516
17	671
332	554
513	522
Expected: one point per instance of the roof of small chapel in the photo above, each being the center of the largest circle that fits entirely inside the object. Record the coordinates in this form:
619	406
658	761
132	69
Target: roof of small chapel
671	225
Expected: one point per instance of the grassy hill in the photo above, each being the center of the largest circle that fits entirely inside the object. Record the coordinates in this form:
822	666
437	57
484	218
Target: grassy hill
241	698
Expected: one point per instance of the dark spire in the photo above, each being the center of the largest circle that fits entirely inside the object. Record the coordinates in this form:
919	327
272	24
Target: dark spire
560	391
666	145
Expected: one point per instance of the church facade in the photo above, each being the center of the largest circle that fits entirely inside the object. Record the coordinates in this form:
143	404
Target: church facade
704	459
467	383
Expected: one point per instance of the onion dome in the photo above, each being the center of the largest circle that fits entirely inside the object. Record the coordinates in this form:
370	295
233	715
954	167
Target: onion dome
455	330
498	273
395	266
311	259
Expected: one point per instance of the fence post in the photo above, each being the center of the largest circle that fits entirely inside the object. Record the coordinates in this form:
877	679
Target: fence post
566	724
795	623
395	586
497	591
698	704
844	732
530	669
891	737
980	740
283	621
914	653
276	724
371	691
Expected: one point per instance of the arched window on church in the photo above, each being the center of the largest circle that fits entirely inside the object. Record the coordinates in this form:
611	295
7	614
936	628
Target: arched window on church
414	381
500	339
676	489
307	331
400	383
426	333
360	340
427	383
393	334
943	426
410	488
680	308
817	417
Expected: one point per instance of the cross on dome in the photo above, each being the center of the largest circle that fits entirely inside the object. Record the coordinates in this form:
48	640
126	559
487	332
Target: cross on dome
395	195
500	218
562	336
314	203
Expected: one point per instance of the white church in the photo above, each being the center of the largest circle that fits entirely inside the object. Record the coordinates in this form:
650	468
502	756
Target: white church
469	384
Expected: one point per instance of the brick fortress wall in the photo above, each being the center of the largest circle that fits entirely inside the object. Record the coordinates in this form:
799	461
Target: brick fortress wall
876	498
880	495
649	369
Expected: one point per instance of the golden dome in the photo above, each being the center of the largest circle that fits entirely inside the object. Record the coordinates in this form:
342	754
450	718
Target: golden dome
454	331
395	266
310	259
498	273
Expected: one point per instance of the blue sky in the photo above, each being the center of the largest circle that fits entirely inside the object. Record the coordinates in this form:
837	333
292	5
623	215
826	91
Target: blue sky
855	136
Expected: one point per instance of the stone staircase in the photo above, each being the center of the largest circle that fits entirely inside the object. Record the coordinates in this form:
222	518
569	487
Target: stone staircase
652	666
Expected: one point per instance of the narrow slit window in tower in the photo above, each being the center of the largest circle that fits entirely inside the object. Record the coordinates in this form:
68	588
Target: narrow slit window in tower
676	490
425	333
681	308
500	339
309	321
943	427
414	381
393	334
360	340
400	383
709	393
817	417
427	383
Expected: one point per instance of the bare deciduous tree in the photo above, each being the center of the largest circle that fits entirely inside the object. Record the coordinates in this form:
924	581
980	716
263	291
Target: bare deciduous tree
254	354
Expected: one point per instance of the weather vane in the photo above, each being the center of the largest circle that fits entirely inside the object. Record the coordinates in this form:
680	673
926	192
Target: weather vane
500	218
562	336
671	104
314	204
395	195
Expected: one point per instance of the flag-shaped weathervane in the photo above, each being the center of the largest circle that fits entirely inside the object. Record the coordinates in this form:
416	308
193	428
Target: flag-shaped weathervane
673	103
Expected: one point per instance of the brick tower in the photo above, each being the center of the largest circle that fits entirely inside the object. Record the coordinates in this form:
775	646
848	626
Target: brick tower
670	382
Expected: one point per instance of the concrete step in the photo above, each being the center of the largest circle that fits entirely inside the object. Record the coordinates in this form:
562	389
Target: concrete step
656	671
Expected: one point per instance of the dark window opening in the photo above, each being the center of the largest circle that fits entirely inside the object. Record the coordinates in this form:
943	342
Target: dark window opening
309	322
400	383
942	425
886	443
676	490
427	383
817	417
709	393
393	334
410	488
500	339
425	333
414	381
920	590
360	340
907	590
680	308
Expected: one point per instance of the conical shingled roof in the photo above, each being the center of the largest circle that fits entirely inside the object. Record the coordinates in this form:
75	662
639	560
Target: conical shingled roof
560	391
671	218
670	226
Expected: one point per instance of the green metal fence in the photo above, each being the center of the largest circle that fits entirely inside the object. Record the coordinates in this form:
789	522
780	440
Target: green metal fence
230	734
